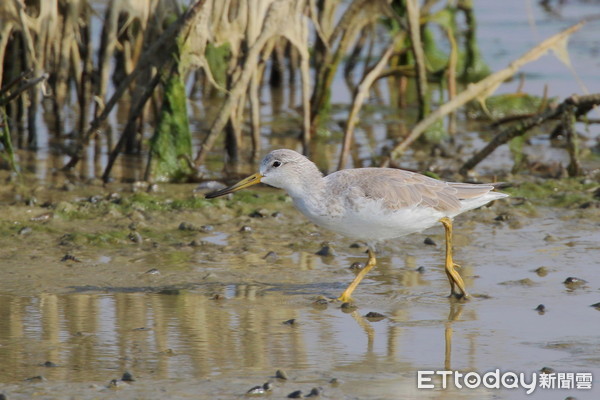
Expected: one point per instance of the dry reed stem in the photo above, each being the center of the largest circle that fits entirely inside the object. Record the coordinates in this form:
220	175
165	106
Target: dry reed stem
149	59
362	92
482	88
414	25
283	17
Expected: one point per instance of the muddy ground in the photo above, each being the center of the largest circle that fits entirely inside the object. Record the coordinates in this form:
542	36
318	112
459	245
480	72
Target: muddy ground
185	295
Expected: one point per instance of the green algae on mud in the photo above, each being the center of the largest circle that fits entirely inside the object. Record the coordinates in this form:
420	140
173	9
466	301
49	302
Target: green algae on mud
563	193
187	318
139	230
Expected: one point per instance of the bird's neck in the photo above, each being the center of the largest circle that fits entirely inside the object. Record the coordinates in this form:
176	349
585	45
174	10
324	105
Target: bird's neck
310	188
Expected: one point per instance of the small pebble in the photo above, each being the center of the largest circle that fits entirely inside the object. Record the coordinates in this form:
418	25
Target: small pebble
420	269
127	377
186	226
45	217
135	237
246	229
256	391
206	228
271	256
25	230
374	316
546	370
258	214
315	392
295	395
3	396
550	238
355	245
69	257
541	309
66	239
49	364
590	204
281	374
95	199
290	322
502	217
334	382
357	266
574	281
596	306
541	271
429	241
115	383
152	271
326	251
114	197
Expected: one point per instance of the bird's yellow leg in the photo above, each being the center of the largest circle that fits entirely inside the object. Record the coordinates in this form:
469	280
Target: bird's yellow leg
453	275
345	297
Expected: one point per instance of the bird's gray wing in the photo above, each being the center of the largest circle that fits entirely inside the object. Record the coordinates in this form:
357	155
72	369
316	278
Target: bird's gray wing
399	189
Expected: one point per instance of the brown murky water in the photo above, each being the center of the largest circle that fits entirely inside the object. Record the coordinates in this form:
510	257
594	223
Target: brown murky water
212	322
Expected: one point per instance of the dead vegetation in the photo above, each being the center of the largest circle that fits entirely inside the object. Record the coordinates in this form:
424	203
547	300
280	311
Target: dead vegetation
224	54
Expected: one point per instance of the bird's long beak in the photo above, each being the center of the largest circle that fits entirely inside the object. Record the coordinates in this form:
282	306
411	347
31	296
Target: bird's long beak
244	183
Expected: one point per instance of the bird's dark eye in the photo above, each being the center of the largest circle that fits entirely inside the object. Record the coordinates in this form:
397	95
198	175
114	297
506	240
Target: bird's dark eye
276	164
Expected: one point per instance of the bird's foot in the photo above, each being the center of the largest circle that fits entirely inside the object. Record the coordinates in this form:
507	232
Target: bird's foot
456	282
461	296
343	299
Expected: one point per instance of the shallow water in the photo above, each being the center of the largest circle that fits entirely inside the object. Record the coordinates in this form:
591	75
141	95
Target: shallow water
212	323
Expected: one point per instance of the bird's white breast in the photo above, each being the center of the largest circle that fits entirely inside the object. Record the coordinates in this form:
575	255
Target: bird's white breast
367	219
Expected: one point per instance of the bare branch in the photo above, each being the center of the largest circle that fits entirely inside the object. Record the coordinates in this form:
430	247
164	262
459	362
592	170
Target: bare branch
483	87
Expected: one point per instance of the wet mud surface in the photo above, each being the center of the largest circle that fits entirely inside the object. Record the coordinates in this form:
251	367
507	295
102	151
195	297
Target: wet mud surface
208	300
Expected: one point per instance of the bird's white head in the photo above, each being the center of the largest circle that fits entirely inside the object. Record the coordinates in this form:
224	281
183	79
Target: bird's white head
284	169
288	170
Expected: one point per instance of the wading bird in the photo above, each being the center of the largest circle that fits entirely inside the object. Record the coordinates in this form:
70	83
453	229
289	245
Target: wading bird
370	204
